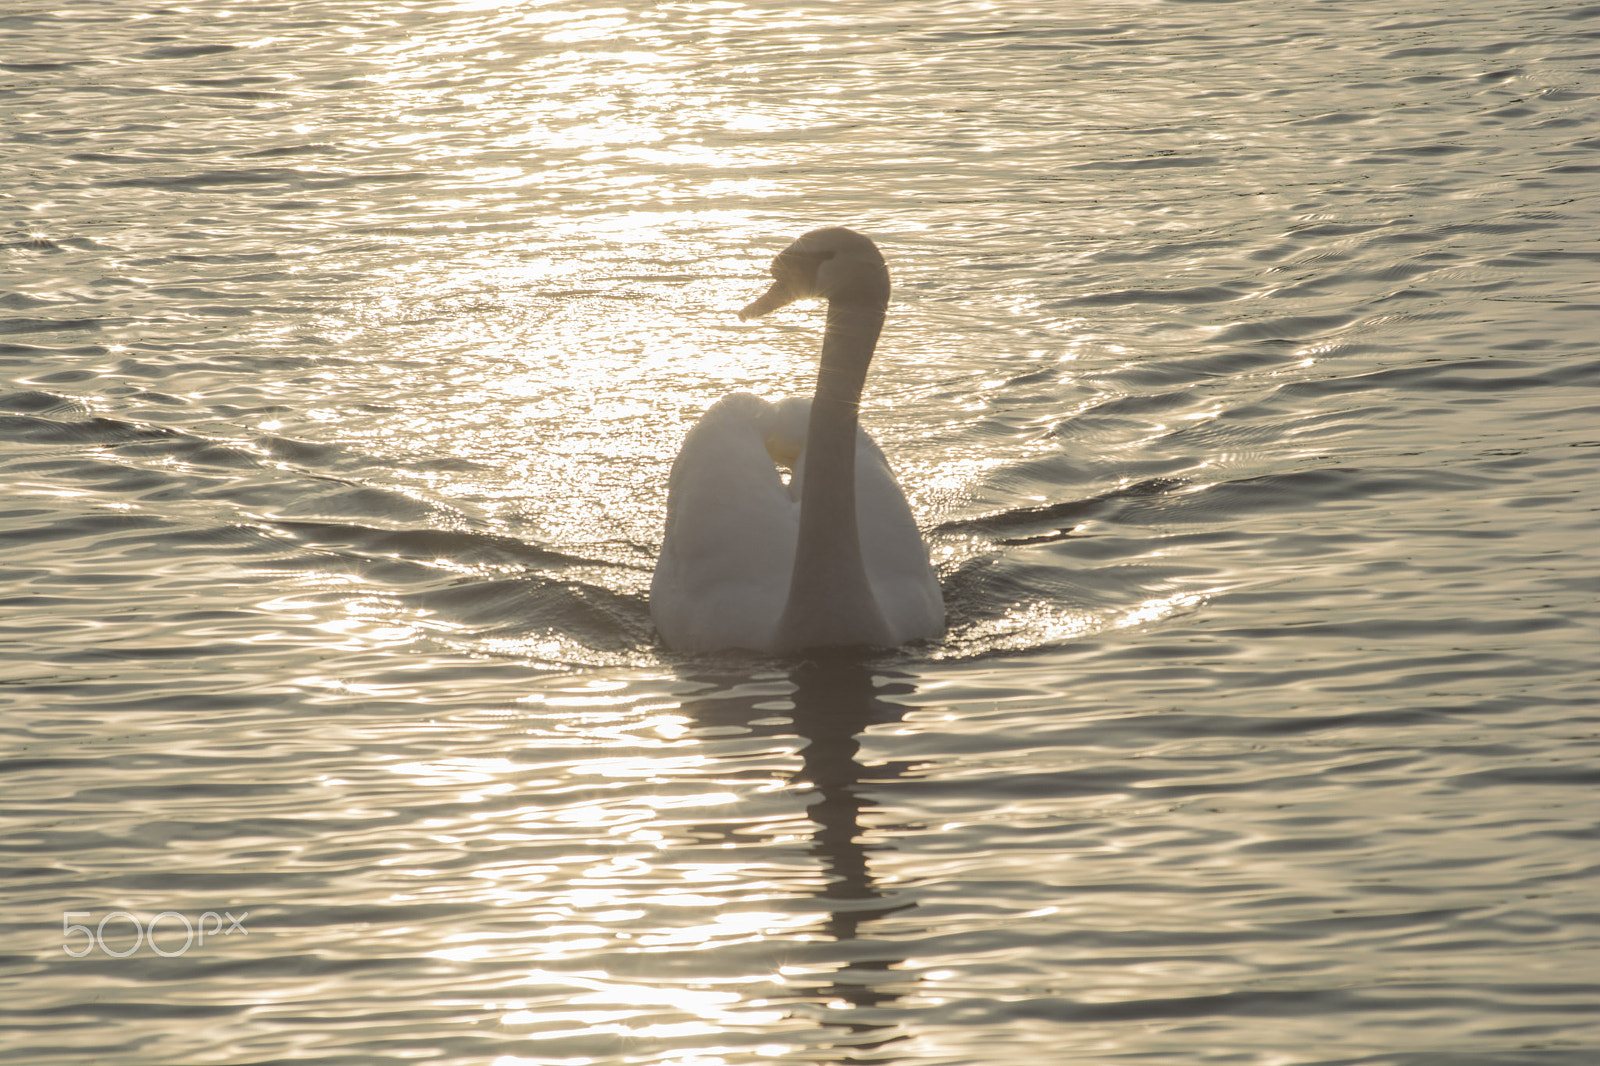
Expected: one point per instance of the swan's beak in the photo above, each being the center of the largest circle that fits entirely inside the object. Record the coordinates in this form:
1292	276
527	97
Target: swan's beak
770	300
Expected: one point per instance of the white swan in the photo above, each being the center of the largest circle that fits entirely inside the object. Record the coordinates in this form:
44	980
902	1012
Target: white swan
832	559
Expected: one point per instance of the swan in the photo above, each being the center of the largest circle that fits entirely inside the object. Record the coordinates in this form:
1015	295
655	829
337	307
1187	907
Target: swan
833	558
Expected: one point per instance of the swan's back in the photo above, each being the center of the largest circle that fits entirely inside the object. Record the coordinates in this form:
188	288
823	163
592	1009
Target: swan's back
732	525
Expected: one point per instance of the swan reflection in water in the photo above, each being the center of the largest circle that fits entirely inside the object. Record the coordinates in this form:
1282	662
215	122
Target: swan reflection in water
835	699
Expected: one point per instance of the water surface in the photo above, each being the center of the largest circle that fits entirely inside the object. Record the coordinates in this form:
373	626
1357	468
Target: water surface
1241	373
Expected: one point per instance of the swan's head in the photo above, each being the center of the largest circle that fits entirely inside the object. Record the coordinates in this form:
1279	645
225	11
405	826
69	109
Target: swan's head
837	264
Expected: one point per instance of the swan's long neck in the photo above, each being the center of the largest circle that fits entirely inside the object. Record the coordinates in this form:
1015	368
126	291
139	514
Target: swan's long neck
830	600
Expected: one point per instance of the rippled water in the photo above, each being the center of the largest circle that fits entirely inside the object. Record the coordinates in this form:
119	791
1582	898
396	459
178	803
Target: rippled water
1242	373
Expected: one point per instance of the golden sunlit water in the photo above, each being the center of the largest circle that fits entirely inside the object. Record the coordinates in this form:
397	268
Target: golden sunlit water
1240	373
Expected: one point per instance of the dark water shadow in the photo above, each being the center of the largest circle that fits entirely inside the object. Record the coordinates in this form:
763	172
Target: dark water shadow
836	698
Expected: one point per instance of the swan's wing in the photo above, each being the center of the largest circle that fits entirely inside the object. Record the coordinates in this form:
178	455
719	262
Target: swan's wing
723	575
896	557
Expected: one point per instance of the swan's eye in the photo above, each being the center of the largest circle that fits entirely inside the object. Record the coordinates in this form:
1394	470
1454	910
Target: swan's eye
792	262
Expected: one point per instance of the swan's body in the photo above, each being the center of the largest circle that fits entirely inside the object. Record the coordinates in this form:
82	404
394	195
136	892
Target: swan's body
833	558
